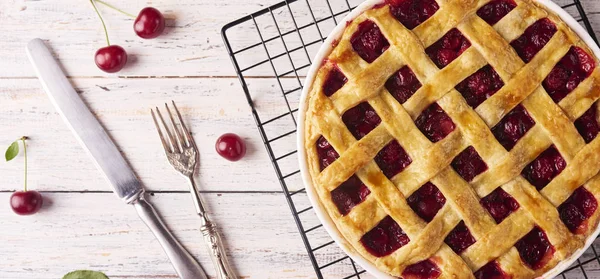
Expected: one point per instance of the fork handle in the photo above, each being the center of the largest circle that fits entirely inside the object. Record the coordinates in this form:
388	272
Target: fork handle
216	249
185	265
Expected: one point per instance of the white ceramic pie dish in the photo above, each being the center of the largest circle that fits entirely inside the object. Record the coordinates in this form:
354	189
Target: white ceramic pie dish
322	214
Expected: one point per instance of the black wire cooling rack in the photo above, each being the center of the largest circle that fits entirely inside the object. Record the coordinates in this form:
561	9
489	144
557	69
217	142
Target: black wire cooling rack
271	51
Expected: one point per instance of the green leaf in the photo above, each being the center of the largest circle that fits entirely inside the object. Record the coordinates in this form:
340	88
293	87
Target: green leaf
12	151
85	274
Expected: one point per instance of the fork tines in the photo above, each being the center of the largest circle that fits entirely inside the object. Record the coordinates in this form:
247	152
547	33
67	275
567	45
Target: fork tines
182	139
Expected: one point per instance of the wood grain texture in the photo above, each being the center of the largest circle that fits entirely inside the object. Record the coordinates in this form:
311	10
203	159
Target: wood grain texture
83	225
210	106
191	45
68	235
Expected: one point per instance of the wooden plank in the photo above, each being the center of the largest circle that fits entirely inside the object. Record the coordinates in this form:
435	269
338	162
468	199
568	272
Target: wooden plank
191	45
211	107
97	231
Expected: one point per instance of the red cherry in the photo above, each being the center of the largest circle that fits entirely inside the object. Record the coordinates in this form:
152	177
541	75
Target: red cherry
111	59
26	203
231	147
149	24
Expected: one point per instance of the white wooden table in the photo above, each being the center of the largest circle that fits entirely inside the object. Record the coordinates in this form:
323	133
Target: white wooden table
83	225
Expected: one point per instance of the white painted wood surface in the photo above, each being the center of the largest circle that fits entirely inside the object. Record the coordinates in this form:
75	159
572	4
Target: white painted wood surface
84	226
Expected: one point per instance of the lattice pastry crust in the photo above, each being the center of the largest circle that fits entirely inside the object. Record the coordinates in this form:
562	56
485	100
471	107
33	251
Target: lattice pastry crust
435	180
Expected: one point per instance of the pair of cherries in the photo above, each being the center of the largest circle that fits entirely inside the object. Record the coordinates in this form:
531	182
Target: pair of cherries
149	24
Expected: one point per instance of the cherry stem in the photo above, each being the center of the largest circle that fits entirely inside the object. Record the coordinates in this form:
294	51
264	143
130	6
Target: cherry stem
25	156
115	8
102	20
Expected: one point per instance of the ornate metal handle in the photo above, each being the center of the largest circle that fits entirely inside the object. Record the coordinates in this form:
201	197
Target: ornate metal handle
185	265
211	236
216	249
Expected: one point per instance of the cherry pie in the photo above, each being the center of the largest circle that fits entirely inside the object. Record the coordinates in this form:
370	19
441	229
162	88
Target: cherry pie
457	138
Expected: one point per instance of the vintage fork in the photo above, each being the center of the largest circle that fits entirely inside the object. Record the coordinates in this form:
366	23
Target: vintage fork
183	155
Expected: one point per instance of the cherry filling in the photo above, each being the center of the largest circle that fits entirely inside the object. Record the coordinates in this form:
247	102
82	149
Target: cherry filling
513	127
499	204
448	48
534	39
570	71
403	84
335	80
577	209
392	159
469	164
535	249
491	271
587	124
368	42
480	86
427	201
385	238
544	168
496	10
422	270
349	194
434	123
326	153
460	238
411	13
361	120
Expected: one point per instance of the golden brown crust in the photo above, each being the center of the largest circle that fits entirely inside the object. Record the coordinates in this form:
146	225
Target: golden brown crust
554	126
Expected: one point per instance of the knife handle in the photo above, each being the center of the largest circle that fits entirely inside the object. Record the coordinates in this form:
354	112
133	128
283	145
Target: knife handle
185	265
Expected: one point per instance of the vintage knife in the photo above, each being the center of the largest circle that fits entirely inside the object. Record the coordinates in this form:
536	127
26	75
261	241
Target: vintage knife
105	155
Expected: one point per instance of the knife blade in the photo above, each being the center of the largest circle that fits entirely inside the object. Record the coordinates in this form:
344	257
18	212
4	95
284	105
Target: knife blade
105	154
84	125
